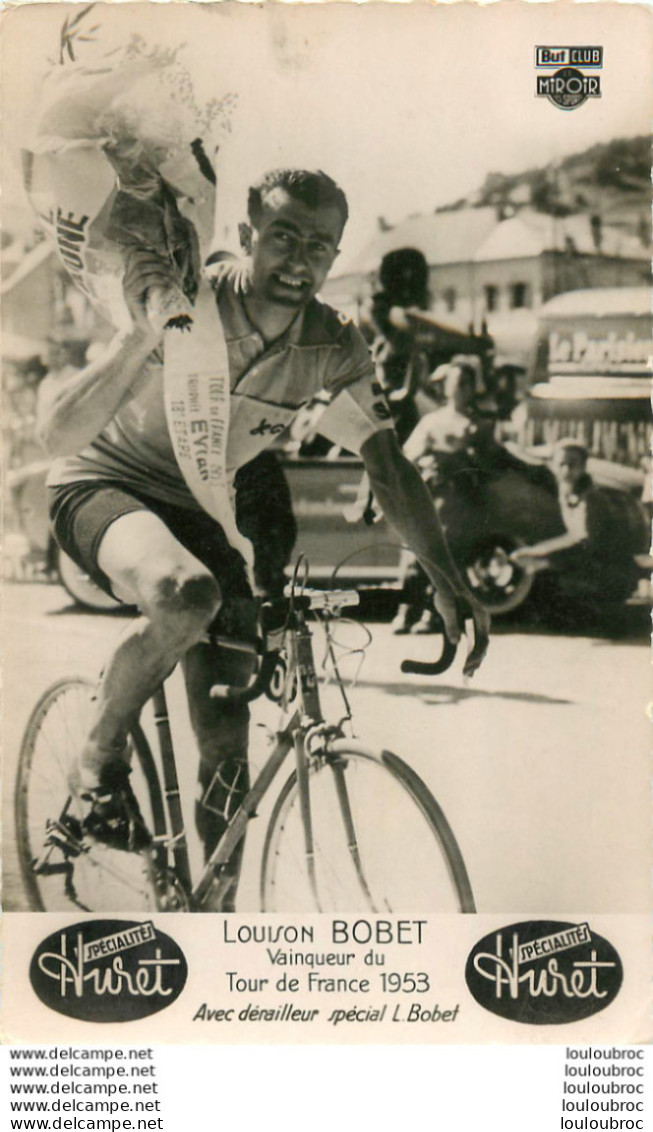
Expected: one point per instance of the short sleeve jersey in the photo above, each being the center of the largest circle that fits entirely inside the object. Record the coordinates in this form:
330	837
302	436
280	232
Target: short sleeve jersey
443	430
319	353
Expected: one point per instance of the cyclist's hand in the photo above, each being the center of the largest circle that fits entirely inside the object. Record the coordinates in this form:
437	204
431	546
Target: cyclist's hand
446	603
147	284
453	612
529	561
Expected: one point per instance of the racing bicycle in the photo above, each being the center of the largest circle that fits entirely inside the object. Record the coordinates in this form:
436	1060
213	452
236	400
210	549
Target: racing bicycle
351	829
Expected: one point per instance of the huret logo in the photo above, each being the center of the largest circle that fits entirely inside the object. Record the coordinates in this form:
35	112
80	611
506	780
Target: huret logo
544	973
108	971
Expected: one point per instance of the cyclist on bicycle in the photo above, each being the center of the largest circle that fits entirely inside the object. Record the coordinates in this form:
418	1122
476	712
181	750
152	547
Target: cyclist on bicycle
120	506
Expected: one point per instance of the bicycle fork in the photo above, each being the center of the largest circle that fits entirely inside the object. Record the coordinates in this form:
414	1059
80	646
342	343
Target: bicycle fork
338	771
312	716
336	767
305	811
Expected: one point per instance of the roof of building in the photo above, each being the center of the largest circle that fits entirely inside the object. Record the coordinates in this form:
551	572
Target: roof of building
530	234
600	301
475	234
443	237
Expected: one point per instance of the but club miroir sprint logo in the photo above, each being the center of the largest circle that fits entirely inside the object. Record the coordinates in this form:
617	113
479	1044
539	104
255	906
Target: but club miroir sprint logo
543	973
568	87
108	970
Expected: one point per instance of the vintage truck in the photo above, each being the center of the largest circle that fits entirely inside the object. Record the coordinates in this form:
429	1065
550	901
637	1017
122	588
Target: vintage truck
590	373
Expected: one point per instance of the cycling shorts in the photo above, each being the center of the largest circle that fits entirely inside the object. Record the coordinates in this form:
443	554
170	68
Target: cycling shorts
82	512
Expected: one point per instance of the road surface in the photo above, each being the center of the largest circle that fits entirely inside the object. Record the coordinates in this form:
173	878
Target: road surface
540	762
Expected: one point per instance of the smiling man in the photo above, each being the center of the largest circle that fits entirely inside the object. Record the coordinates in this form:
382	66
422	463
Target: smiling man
293	240
122	510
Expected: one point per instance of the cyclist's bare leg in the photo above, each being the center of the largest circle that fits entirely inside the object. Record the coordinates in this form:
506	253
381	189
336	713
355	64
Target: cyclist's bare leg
178	598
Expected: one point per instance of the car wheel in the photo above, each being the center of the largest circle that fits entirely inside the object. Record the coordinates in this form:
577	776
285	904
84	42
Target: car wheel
82	588
498	583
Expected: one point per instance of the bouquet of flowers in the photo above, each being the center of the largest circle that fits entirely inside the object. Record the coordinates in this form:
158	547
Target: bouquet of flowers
120	158
120	163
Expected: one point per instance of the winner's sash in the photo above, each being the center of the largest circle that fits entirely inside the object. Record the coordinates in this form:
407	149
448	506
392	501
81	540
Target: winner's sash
197	401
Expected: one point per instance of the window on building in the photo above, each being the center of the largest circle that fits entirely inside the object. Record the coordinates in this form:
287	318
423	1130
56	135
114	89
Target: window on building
450	299
518	295
491	297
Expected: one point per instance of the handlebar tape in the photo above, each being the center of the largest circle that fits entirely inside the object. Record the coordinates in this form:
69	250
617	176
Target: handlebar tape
436	667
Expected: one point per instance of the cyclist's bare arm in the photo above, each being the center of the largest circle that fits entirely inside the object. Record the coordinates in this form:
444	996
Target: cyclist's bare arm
525	556
74	411
536	557
408	507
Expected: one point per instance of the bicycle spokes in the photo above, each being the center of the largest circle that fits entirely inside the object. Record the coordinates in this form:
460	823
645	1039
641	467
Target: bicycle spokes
379	844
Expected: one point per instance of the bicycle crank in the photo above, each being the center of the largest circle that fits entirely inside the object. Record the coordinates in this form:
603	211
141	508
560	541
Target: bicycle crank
168	891
64	834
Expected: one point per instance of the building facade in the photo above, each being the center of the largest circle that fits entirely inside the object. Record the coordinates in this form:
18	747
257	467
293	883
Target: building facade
485	269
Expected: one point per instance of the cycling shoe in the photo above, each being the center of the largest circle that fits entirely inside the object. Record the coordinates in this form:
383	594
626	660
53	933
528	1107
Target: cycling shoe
110	812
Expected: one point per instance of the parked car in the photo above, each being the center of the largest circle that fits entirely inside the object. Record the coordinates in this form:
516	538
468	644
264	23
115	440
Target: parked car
487	513
30	514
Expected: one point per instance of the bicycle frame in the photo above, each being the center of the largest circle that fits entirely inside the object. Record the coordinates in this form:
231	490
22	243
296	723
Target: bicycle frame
323	793
306	716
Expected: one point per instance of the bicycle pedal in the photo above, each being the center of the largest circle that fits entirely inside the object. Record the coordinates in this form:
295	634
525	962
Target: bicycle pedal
65	835
67	824
65	846
168	892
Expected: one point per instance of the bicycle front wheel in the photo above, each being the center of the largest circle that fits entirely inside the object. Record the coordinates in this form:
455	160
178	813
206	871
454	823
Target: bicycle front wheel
381	842
61	869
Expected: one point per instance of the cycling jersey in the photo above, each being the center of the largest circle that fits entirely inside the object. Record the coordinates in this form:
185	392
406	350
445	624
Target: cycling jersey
443	430
270	383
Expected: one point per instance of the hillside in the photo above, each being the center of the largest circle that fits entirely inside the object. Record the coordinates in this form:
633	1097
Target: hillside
611	179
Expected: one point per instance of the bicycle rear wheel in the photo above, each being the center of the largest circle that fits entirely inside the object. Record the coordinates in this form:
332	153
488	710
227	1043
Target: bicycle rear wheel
381	842
61	869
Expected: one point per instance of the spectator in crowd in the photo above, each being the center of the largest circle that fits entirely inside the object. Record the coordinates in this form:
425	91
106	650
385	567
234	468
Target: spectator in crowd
451	427
595	553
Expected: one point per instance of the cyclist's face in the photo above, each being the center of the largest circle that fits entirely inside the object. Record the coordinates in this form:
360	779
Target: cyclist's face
292	249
